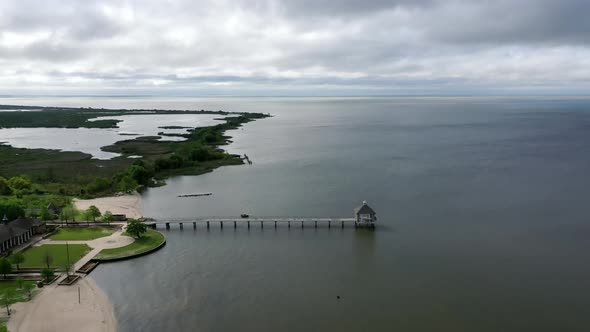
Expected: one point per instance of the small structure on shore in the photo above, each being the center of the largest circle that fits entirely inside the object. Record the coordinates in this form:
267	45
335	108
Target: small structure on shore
365	216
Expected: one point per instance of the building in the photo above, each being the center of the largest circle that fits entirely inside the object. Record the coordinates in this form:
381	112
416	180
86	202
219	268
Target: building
365	216
18	231
53	209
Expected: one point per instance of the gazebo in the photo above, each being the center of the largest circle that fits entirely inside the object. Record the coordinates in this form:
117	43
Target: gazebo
365	216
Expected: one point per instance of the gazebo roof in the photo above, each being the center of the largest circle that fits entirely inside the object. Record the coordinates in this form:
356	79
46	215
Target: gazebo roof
364	209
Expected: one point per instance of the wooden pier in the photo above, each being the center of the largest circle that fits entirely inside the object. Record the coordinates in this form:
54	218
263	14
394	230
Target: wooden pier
254	222
365	217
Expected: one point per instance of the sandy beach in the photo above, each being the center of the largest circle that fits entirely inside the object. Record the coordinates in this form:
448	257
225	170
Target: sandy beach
126	204
56	308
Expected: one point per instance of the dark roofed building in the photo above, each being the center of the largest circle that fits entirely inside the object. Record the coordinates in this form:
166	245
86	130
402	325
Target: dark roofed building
19	231
365	216
54	209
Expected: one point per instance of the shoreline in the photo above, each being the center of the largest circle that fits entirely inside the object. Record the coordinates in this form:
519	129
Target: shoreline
56	308
129	205
83	306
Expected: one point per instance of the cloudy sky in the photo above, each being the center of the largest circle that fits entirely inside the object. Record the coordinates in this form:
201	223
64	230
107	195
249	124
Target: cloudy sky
283	47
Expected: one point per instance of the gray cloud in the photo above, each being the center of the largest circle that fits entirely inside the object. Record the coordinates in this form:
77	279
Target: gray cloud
305	45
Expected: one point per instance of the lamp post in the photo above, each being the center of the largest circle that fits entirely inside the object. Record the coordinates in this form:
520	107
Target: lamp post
68	267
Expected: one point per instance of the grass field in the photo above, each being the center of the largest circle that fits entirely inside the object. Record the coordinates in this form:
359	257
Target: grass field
20	295
35	256
149	240
81	234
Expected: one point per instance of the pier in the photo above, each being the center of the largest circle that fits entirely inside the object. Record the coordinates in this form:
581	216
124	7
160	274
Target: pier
364	217
254	222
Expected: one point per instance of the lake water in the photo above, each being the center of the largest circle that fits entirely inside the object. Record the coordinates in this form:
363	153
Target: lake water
482	206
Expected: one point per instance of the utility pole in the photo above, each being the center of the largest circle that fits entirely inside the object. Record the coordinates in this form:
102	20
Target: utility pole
68	260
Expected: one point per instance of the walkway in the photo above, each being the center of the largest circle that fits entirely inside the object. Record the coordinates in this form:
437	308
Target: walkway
80	307
115	240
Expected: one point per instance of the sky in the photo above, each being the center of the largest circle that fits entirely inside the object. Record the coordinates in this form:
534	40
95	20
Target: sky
294	47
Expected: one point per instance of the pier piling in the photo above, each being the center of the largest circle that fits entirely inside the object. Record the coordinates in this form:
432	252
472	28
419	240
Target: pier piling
180	225
167	225
221	224
275	224
235	224
316	223
194	225
248	224
343	224
207	224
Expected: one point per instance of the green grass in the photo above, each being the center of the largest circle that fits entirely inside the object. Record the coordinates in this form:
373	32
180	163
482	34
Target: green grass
149	240
81	234
20	294
35	256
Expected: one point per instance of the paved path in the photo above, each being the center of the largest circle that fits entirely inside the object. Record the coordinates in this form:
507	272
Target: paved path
115	240
56	308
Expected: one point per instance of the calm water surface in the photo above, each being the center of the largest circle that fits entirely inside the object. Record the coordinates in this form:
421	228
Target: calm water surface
483	220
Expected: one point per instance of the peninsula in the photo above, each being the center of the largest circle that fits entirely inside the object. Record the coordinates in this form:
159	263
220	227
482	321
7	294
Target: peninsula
41	187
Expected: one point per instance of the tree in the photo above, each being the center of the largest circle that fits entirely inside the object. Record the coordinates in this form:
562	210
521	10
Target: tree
19	182
4	187
17	259
136	228
5	267
47	274
29	287
98	184
126	184
12	208
93	212
8	298
67	213
139	174
46	214
47	258
20	282
107	217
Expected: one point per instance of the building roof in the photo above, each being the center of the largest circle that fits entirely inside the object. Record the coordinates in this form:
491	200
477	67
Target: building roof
26	223
17	227
53	208
7	232
364	209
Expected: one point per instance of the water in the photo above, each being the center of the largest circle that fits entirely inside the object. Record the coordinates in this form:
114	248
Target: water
482	206
90	140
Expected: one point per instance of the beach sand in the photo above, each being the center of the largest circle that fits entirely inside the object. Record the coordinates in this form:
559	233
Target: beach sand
56	308
127	205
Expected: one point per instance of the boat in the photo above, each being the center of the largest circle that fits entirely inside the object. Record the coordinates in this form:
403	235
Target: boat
243	215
